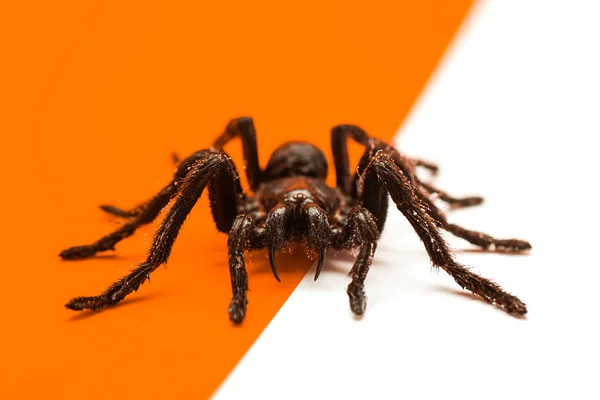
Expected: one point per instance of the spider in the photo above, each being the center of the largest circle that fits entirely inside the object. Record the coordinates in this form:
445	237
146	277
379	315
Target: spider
292	204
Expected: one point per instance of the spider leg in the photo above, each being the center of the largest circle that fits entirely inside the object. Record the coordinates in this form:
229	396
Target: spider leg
142	215
360	230
431	167
123	213
424	190
486	241
339	148
162	197
359	271
240	234
358	227
383	174
480	239
477	238
243	128
214	169
455	202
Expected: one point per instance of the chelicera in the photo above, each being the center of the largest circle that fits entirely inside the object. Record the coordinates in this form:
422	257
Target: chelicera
292	204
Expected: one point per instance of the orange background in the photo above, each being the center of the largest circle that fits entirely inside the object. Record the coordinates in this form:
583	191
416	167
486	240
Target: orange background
95	97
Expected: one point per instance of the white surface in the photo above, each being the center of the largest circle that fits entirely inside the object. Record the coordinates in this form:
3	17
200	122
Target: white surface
512	114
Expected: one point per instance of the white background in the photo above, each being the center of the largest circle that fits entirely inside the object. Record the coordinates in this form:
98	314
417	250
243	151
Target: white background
512	113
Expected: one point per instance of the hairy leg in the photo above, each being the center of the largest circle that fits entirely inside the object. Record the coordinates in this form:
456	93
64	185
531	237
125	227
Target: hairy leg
377	198
431	167
359	271
339	138
203	172
454	202
243	128
339	148
141	215
359	229
480	239
383	172
139	209
239	236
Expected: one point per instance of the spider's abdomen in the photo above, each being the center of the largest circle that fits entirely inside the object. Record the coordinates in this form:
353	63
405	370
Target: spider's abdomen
297	159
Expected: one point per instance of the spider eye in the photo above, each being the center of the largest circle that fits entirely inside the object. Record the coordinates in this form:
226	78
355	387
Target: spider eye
297	158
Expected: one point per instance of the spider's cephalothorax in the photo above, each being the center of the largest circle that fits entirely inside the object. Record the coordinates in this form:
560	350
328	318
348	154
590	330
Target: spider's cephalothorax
291	203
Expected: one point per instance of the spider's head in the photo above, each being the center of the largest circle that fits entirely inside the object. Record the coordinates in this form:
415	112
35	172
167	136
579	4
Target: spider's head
297	159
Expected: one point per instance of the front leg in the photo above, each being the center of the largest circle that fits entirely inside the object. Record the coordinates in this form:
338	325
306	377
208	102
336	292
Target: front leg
359	230
239	235
356	288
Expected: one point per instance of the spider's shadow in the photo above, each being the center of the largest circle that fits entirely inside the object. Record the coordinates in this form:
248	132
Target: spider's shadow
339	262
287	263
105	257
476	250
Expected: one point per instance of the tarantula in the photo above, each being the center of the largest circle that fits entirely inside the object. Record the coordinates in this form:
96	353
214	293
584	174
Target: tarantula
291	204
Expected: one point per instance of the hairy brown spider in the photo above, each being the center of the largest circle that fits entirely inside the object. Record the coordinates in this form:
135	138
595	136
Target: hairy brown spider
293	204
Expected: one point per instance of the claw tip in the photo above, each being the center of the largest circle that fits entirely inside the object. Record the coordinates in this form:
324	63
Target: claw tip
320	265
272	261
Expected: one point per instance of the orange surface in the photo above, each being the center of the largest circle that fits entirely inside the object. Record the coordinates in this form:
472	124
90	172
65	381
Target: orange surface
96	95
